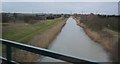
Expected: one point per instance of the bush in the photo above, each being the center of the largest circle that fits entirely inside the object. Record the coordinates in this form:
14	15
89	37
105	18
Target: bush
98	22
5	17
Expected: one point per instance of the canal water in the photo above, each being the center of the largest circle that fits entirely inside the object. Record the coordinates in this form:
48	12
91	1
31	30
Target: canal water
73	41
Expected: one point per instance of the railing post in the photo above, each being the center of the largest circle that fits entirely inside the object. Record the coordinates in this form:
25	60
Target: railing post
8	53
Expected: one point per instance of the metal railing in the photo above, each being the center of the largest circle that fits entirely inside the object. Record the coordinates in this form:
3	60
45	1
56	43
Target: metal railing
40	51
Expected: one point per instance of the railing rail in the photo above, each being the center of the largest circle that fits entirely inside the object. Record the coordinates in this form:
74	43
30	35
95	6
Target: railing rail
4	59
40	51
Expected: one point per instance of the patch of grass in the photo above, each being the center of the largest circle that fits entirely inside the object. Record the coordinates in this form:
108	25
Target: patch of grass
115	33
24	34
38	34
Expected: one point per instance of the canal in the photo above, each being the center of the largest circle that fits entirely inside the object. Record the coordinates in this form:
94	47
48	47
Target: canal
72	40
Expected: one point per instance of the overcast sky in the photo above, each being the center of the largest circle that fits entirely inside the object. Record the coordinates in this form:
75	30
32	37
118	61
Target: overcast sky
61	7
60	0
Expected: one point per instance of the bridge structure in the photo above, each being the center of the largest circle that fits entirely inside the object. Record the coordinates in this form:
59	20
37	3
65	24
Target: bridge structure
37	50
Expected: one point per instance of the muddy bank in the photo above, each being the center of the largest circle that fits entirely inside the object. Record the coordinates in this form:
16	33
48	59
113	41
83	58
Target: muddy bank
41	40
106	39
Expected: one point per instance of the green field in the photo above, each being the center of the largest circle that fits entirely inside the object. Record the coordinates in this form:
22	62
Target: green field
27	31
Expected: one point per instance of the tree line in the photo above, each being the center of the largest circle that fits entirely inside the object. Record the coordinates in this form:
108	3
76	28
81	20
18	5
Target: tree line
99	22
14	17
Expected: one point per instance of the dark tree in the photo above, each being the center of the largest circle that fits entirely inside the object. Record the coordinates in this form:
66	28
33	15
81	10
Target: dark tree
15	16
5	17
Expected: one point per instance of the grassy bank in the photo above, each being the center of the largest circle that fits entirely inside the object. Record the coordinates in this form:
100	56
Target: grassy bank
95	27
23	32
39	34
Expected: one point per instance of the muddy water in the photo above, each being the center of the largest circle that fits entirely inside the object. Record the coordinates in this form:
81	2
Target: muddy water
72	40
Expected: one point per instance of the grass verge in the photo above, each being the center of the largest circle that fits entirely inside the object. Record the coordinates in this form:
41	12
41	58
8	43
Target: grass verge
39	34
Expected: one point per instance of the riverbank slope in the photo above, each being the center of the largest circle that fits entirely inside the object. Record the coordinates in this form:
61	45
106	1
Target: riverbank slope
103	36
39	34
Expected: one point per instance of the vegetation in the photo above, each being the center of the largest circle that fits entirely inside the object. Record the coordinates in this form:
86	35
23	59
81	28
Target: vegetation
102	29
99	22
24	32
33	29
15	17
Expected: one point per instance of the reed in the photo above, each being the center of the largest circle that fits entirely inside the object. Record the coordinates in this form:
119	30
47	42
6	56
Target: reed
106	39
